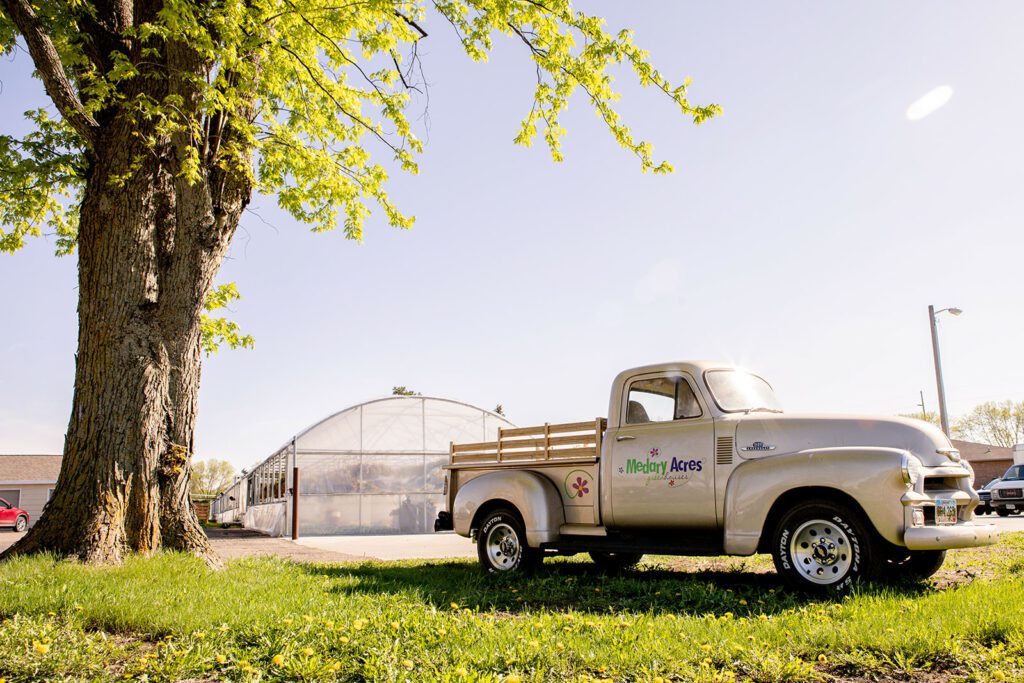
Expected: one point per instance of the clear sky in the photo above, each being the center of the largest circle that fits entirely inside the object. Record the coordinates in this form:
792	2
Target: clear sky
803	234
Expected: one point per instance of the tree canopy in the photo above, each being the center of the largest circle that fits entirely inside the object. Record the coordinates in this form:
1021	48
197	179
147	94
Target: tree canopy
305	98
998	423
211	476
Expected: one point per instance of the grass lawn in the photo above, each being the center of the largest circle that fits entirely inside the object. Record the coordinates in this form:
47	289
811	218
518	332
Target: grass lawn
169	618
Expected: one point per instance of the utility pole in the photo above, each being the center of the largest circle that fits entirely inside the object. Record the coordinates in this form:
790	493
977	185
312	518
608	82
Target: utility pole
943	415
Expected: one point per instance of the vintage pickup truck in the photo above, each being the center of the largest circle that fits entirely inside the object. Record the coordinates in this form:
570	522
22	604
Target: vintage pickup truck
697	458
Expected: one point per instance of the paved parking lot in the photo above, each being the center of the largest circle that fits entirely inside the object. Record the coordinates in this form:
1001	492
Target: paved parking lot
232	543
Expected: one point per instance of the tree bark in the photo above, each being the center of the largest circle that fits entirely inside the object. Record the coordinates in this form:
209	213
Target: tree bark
149	245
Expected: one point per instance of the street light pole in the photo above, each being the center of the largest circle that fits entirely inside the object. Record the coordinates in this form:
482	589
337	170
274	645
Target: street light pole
943	415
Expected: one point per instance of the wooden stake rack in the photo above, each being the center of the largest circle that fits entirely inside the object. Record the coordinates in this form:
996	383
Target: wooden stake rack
572	442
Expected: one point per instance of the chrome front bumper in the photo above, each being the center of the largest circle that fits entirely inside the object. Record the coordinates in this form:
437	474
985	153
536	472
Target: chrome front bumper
962	535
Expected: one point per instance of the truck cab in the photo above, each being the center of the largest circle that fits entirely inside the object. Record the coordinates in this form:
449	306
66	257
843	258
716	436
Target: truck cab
699	458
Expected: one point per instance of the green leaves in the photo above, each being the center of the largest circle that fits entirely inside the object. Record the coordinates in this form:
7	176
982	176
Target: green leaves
216	331
303	99
41	180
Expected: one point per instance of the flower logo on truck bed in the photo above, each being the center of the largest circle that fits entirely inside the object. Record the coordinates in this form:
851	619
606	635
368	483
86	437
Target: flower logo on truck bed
577	484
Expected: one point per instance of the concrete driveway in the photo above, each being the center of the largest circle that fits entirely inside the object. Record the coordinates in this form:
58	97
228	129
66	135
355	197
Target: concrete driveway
410	547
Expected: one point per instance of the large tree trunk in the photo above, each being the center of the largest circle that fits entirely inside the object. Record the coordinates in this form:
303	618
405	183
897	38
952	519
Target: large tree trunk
123	484
150	243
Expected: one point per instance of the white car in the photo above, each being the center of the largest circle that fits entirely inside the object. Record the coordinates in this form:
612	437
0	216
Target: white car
1008	494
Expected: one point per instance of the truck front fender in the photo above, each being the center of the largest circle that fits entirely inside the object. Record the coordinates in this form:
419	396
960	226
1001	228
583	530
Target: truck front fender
870	476
532	496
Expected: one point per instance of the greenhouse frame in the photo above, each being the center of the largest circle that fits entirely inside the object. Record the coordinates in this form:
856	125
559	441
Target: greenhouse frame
373	468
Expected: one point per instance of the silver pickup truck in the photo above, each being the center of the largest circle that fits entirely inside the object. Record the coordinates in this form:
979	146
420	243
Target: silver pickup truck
697	458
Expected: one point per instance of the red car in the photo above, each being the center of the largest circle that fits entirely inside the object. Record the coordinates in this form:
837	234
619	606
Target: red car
12	516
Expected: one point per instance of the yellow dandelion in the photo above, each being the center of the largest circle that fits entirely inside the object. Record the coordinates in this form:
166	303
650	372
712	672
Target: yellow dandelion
822	659
727	615
51	614
998	675
222	628
41	648
307	652
278	660
534	643
335	666
455	605
394	625
657	679
329	624
460	672
512	678
743	602
249	669
560	647
706	647
221	659
601	669
408	664
308	618
442	631
287	621
200	635
343	639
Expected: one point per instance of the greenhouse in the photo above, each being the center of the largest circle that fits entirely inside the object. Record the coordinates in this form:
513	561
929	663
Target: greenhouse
374	468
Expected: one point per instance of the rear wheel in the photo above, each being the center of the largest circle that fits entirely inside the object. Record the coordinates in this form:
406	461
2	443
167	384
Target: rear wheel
501	544
1002	512
823	547
615	562
21	523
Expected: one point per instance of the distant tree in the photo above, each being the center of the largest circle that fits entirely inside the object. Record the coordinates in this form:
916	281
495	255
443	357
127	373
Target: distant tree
500	410
404	391
210	477
927	416
999	423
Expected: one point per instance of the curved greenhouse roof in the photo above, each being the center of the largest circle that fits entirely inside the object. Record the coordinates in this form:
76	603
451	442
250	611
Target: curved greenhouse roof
375	467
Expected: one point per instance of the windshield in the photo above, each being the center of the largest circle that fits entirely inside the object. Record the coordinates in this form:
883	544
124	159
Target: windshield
736	391
1015	473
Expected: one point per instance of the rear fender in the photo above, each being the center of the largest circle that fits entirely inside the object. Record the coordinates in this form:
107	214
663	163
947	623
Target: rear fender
531	494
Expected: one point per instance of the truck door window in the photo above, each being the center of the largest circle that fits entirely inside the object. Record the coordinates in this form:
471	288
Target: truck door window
661	399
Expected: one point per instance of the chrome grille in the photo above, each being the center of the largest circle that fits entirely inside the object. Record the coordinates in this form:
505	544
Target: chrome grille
723	450
1007	493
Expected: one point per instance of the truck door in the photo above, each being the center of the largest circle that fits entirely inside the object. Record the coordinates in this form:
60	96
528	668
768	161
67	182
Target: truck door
662	472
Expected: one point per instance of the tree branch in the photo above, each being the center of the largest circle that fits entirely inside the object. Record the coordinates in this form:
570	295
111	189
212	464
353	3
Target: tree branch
47	61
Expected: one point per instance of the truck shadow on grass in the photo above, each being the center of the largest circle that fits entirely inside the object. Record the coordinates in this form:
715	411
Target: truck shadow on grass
580	587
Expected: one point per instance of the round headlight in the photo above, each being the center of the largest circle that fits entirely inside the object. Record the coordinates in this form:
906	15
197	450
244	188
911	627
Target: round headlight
911	470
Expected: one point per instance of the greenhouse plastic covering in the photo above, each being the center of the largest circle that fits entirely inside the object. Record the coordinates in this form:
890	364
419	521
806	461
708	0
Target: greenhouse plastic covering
374	468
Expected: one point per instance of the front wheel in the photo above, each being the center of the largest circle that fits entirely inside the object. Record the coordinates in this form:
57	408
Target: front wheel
822	547
501	544
1002	512
21	524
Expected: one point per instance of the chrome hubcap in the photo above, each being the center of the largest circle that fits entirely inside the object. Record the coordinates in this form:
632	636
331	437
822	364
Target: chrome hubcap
821	551
503	547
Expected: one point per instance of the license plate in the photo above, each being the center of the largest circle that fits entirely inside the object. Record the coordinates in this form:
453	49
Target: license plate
945	511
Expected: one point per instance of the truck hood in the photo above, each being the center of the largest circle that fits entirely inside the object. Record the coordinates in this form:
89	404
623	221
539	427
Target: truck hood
761	435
